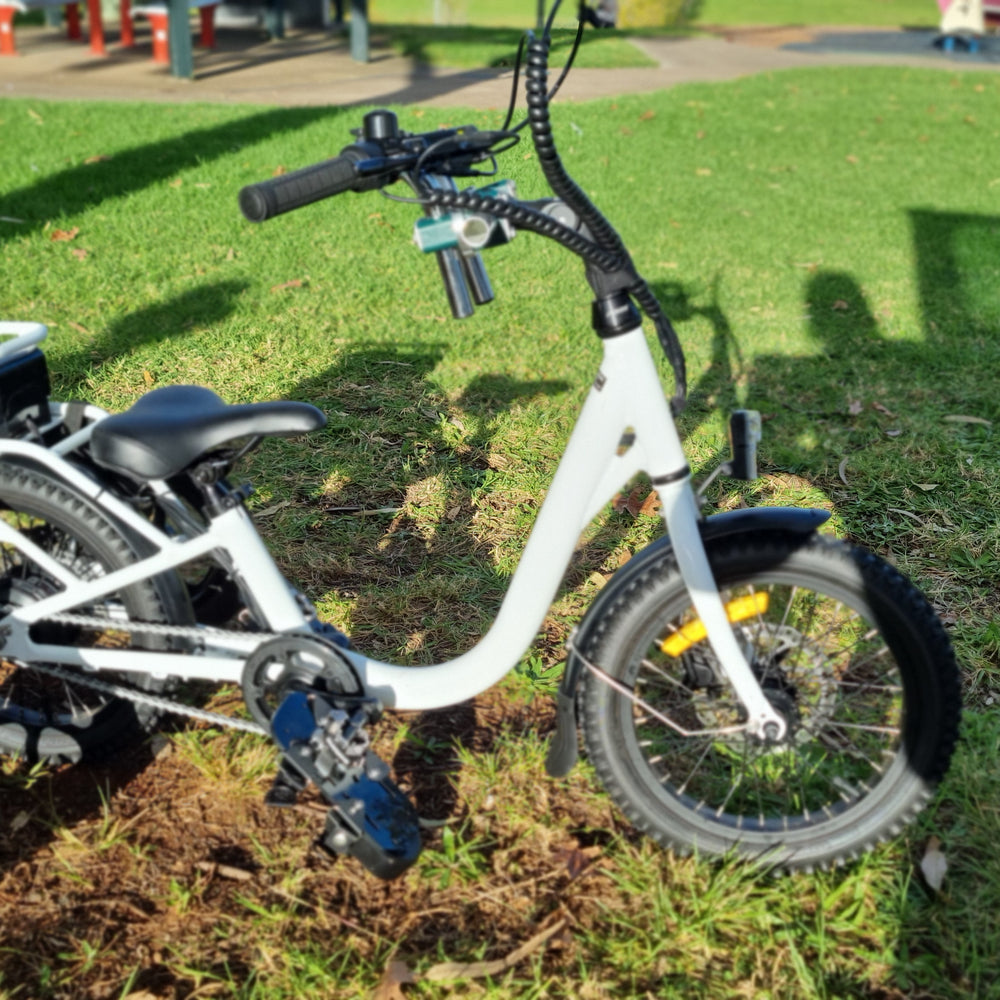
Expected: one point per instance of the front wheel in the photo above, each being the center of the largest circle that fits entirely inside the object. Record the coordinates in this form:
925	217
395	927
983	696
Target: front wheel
844	647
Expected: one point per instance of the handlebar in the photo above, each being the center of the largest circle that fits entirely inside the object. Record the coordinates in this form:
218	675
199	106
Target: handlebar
428	162
269	198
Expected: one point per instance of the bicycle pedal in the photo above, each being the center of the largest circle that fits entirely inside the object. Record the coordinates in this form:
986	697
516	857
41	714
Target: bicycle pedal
376	823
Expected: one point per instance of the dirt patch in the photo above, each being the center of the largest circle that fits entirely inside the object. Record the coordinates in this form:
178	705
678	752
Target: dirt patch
166	873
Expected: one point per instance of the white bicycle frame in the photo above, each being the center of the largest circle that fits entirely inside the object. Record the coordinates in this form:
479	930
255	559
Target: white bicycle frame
625	428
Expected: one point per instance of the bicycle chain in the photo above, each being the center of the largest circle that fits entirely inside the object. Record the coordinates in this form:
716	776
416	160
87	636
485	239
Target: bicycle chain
152	628
134	694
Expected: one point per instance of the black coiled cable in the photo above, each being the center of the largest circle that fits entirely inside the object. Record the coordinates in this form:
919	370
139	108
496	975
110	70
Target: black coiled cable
604	235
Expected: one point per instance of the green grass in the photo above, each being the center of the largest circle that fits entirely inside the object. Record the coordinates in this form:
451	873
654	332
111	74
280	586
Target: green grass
827	244
476	47
886	13
498	13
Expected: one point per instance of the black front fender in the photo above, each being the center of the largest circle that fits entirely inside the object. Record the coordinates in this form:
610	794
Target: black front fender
797	520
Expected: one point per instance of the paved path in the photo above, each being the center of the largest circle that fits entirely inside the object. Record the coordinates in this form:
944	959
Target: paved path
314	68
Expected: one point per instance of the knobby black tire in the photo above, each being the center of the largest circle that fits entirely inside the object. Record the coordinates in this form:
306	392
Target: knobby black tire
42	718
849	652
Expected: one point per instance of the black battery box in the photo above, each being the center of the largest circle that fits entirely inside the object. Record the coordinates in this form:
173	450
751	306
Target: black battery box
24	392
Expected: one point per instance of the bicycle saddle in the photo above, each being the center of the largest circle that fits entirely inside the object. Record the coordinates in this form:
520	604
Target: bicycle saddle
168	429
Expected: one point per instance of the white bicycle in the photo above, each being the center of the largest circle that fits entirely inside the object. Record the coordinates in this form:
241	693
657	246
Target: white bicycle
743	684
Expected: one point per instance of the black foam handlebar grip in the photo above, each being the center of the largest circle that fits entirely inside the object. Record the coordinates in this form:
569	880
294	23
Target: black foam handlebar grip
302	187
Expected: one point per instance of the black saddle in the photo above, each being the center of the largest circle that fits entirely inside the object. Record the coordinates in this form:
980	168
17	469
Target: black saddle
169	429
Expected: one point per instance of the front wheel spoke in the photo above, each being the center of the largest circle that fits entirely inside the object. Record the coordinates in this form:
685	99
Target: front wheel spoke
846	747
682	788
865	728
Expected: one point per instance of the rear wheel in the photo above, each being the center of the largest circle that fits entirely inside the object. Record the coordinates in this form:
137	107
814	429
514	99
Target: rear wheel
845	649
54	718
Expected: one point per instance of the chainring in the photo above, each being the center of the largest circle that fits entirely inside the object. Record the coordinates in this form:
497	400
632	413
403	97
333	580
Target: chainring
287	663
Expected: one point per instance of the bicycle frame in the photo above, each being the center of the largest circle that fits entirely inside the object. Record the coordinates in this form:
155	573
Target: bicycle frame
625	427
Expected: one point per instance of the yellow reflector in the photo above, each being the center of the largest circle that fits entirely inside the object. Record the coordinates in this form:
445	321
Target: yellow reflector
737	610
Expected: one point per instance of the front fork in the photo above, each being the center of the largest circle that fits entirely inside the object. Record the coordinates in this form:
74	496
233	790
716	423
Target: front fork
681	516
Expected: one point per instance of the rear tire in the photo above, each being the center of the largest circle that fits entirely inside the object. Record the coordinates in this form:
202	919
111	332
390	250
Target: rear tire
848	651
47	718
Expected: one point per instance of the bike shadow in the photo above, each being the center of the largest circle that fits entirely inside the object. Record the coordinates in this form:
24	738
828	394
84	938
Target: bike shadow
414	518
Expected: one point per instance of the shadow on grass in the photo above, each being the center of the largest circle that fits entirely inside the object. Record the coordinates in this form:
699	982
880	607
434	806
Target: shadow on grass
168	320
861	404
82	187
411	531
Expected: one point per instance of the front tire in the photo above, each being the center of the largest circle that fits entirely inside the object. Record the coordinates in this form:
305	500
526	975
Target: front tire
844	647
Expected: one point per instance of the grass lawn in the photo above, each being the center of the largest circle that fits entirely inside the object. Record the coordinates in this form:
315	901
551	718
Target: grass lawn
474	47
487	34
888	13
827	243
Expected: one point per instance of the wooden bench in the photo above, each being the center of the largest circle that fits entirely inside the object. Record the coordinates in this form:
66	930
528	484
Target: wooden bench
159	20
8	8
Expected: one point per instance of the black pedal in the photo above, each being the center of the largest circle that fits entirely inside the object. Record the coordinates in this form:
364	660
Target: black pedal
744	436
370	819
376	823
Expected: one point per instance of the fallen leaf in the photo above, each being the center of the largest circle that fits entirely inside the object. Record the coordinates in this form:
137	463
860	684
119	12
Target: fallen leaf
840	305
396	975
19	821
906	513
479	970
294	283
851	158
855	407
927	487
279	170
147	376
934	864
646	115
273	509
79	253
177	183
882	409
99	158
893	433
575	860
842	471
958	418
634	502
704	172
60	235
651	505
